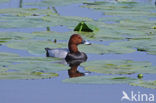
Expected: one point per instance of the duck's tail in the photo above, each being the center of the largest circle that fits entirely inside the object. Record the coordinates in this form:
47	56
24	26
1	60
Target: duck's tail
47	53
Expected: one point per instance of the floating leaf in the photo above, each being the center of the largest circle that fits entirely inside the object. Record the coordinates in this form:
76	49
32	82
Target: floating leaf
119	67
35	46
6	36
47	3
102	49
100	80
9	21
51	35
38	66
146	84
124	20
141	45
13	66
69	21
3	1
26	12
20	75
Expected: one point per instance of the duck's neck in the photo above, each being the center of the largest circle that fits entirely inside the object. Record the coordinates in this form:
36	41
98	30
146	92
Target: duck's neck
73	48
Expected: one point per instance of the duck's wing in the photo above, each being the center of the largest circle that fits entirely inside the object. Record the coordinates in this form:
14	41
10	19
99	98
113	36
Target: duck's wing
61	49
57	52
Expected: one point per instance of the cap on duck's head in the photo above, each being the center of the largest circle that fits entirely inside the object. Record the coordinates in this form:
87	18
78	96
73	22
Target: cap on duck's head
75	39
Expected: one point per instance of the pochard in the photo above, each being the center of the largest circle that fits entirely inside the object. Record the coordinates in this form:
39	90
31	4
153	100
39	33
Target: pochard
72	53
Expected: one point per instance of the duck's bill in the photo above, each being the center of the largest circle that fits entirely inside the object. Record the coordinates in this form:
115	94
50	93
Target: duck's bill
86	42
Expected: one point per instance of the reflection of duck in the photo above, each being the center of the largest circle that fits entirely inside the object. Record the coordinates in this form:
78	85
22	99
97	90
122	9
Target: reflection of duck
73	72
73	53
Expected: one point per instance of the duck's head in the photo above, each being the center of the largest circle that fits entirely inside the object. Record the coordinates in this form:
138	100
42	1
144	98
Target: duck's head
77	39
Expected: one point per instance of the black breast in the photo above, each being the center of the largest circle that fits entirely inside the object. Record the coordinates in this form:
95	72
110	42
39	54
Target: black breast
76	56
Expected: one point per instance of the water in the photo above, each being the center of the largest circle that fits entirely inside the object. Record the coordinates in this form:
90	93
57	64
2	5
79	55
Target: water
54	90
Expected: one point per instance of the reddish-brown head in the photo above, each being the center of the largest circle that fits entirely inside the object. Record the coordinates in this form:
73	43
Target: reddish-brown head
74	40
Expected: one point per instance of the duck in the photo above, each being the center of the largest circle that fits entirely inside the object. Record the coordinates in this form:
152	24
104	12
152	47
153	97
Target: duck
70	53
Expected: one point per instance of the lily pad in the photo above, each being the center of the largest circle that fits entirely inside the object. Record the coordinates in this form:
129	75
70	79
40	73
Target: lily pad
7	36
20	75
35	46
100	80
102	49
9	21
146	84
47	3
145	45
3	1
124	20
27	12
51	35
21	22
13	66
69	21
38	66
119	67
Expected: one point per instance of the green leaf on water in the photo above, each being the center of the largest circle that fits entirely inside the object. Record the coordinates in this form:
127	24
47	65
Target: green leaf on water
50	3
124	20
51	35
35	46
141	45
119	67
100	80
102	49
26	12
7	36
45	66
145	84
26	75
13	66
12	21
4	1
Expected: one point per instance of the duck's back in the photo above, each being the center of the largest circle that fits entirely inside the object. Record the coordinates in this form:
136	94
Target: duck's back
57	52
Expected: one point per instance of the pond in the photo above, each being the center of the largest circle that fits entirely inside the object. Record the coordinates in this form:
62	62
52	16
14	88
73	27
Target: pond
121	57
